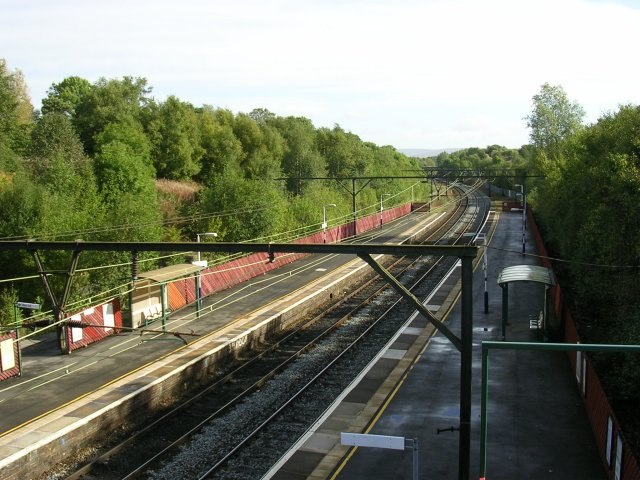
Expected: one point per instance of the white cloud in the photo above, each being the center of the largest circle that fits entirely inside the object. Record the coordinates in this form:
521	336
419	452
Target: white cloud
430	73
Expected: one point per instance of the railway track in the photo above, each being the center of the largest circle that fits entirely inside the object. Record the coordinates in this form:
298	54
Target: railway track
317	361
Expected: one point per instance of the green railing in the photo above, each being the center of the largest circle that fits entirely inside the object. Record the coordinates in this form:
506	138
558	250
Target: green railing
556	347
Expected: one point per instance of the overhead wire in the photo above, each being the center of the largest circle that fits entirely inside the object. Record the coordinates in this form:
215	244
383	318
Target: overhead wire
287	235
563	260
171	221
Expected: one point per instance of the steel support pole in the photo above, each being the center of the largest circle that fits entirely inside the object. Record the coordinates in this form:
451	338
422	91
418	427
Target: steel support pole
466	362
524	214
18	322
536	346
163	291
198	295
505	309
484	400
58	305
353	202
75	256
524	199
413	443
485	267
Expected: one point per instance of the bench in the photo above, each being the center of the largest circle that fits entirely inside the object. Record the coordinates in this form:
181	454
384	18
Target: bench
535	323
151	313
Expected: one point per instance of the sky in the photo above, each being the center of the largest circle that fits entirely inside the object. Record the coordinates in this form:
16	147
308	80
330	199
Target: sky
428	74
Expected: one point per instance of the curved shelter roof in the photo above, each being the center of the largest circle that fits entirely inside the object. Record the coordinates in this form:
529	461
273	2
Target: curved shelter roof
526	273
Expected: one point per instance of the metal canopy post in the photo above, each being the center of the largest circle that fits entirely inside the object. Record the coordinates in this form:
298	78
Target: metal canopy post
163	294
466	363
505	309
198	294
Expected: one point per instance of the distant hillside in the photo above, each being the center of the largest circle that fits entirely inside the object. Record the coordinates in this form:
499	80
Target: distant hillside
426	152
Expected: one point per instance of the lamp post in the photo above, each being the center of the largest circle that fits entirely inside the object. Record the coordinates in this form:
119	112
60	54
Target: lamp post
324	221
485	268
205	234
524	213
382	195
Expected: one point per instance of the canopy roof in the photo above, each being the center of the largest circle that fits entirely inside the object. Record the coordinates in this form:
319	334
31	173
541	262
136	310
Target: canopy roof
170	273
526	273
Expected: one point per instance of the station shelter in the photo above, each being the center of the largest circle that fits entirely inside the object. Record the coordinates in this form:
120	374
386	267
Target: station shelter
526	273
167	289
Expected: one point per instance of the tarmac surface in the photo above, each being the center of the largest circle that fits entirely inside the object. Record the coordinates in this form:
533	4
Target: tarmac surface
537	424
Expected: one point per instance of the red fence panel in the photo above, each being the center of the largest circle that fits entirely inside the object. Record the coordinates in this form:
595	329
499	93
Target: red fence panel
106	317
229	274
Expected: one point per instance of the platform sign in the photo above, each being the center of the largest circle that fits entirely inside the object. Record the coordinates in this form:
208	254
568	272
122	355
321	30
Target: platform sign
28	306
383	441
376	441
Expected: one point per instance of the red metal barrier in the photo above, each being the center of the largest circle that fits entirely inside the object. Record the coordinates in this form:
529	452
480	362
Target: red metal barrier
183	292
595	399
107	315
226	275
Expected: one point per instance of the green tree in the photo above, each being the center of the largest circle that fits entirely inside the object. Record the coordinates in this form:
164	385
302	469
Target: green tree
121	171
52	137
221	148
130	133
174	134
260	207
110	101
262	145
16	113
344	152
301	157
64	97
554	117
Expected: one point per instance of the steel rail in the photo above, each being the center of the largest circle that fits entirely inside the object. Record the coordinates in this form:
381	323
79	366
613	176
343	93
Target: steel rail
104	457
278	411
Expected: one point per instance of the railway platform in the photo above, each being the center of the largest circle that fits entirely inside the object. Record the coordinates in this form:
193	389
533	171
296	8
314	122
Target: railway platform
63	399
537	424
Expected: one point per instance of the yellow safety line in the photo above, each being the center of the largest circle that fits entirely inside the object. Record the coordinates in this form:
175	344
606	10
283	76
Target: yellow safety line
393	393
135	370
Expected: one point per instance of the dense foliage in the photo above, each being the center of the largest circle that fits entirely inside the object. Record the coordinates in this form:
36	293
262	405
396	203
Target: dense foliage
589	206
493	157
107	161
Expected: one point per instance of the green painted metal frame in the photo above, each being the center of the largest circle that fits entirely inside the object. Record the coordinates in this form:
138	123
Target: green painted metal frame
554	347
504	286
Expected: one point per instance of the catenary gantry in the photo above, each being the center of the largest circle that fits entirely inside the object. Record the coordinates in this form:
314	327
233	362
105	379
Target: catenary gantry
466	254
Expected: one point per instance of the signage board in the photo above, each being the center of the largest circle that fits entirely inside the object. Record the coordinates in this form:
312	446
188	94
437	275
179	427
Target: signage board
28	306
377	441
